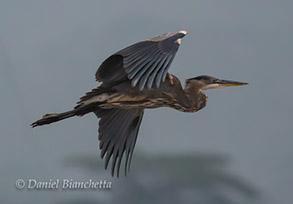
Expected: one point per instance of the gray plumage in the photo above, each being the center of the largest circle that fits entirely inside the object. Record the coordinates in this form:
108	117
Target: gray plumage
118	129
147	62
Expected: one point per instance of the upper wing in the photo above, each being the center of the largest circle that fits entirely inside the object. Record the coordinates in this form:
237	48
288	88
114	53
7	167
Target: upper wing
145	63
118	129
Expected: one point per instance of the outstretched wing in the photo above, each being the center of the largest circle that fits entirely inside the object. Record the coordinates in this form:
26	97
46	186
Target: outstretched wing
145	63
118	129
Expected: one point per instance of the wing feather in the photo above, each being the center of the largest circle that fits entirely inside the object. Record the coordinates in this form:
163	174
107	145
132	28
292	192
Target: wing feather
145	63
137	53
165	70
145	77
158	75
118	130
141	68
155	72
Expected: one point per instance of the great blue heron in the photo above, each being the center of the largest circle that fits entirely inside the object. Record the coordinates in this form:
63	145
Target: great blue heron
133	79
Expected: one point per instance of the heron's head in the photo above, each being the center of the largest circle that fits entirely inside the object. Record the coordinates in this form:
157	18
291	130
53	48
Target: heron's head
205	82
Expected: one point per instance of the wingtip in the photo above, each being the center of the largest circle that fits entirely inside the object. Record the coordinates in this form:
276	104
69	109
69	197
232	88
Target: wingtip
183	32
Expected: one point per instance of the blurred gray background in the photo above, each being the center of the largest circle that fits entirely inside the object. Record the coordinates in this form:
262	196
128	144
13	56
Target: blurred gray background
236	150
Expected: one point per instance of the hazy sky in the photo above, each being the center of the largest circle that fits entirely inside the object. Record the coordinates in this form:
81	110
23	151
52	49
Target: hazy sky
49	52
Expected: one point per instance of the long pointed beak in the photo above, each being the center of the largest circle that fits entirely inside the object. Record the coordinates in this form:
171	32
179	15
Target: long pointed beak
223	83
219	83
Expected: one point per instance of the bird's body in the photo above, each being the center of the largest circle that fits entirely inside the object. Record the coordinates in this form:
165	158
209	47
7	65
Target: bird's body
134	79
124	96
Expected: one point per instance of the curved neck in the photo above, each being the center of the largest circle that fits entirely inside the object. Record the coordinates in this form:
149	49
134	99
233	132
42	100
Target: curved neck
195	96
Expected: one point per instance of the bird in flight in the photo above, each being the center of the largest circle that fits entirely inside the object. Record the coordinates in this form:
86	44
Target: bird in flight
132	80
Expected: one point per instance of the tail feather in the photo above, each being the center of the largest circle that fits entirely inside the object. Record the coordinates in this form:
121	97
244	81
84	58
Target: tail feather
53	117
